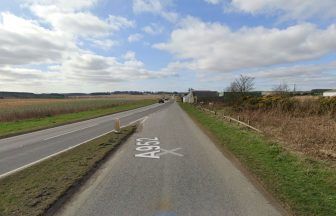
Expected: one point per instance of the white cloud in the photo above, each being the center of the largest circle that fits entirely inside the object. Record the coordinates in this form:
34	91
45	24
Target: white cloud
104	43
134	37
293	9
213	1
299	71
16	73
66	5
55	45
86	69
25	42
156	7
16	78
305	76
118	22
215	47
153	29
96	68
80	23
129	55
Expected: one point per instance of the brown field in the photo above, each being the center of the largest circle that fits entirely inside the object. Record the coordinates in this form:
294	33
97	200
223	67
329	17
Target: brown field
18	109
123	96
14	103
8	103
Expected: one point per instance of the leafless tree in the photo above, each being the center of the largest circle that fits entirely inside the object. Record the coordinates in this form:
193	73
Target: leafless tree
282	88
242	84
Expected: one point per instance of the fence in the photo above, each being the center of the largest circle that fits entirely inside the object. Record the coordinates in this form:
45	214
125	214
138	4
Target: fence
230	119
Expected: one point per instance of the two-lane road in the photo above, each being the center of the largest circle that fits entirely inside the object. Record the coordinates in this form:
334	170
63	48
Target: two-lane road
24	150
169	167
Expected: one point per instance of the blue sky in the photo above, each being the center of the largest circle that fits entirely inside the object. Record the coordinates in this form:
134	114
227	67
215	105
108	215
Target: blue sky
170	45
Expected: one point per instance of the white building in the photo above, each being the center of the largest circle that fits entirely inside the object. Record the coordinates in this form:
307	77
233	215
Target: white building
189	98
331	93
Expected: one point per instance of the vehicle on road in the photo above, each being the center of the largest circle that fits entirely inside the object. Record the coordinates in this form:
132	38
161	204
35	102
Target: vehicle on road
161	100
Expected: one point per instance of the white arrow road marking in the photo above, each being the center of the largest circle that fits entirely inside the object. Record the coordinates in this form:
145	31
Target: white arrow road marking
141	120
173	151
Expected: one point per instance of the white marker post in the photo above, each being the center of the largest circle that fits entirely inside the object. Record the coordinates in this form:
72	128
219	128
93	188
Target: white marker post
117	125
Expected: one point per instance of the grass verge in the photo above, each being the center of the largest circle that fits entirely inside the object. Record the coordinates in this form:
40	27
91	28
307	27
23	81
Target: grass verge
34	190
18	127
305	186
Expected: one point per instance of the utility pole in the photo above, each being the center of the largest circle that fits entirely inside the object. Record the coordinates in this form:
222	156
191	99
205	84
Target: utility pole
294	88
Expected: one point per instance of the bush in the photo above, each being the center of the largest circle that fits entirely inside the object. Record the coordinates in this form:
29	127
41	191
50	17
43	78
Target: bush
284	104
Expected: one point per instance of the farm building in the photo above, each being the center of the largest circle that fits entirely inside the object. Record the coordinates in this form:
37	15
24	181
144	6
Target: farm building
195	96
331	93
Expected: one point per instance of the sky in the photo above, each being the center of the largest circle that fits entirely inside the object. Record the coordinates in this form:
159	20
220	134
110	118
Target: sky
169	45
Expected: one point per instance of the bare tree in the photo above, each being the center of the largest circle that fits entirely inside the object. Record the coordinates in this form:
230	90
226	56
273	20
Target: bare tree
242	84
232	88
282	88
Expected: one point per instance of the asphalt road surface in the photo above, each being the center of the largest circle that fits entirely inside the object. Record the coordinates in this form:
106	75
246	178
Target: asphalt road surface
24	150
169	167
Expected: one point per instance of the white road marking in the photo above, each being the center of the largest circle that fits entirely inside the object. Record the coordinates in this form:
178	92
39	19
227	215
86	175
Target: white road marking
149	148
49	138
149	145
121	115
143	119
60	152
173	151
50	156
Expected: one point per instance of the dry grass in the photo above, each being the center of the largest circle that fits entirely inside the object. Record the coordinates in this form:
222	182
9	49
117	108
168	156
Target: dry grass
123	96
306	97
304	124
310	135
14	103
19	109
8	103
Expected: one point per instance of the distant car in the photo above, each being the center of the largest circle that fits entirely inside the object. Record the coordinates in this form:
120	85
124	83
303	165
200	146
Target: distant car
161	100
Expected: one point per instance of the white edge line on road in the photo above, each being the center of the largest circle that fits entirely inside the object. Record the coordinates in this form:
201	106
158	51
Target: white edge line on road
67	149
143	119
140	109
69	132
50	156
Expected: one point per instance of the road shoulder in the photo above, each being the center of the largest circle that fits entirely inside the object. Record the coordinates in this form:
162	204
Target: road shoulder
303	185
42	188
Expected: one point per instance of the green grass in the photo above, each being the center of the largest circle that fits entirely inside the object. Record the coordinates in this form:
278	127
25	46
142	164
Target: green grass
305	186
22	126
33	190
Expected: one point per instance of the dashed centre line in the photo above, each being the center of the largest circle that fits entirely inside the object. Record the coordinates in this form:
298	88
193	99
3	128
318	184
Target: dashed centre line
49	138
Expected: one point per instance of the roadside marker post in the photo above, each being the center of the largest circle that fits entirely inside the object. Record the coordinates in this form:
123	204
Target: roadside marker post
117	125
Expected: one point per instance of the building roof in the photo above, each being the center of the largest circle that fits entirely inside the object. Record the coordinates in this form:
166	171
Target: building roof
205	93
